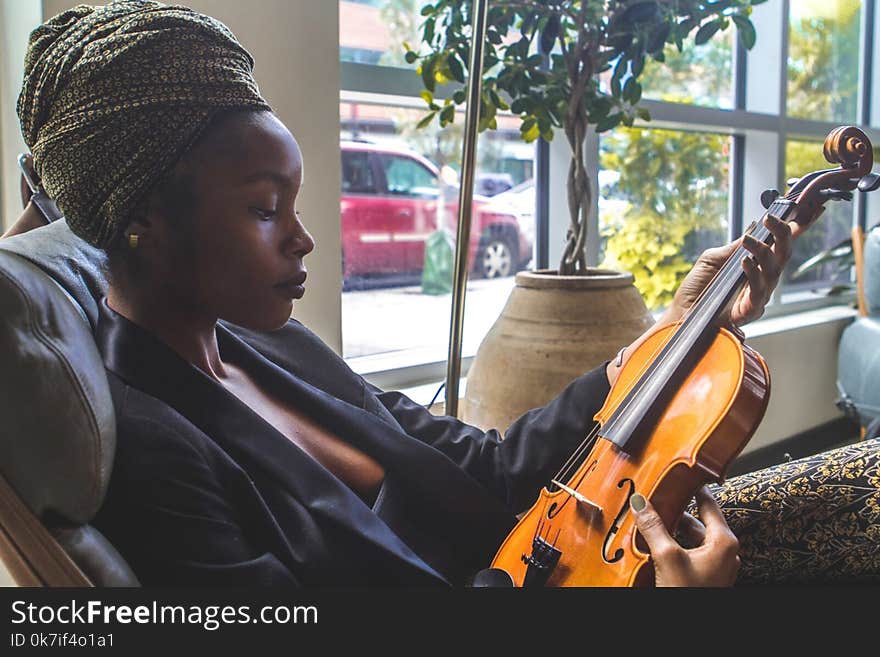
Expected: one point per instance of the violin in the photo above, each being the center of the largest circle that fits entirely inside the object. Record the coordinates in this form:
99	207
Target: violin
683	407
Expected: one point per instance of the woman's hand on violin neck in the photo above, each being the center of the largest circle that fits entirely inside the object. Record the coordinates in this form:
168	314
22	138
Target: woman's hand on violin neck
763	270
713	562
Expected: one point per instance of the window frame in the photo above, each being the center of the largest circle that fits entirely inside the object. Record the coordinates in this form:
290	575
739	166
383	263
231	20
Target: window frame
758	123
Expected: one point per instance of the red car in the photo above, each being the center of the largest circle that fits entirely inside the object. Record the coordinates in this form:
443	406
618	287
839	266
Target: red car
390	202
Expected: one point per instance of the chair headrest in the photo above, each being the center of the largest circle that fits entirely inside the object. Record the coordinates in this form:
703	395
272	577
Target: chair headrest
58	434
72	262
871	271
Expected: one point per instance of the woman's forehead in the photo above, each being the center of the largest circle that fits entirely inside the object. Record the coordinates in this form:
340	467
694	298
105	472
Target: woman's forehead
253	149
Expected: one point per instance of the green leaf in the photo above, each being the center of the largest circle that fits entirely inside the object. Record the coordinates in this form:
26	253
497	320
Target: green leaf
427	9
429	30
447	116
628	89
636	93
410	57
427	96
643	114
428	74
619	71
532	133
746	31
637	66
658	37
609	122
640	12
549	34
707	31
426	121
455	68
459	97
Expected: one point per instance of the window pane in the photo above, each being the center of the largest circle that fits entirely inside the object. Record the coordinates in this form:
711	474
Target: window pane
699	75
373	31
663	200
404	176
823	59
400	188
831	228
357	174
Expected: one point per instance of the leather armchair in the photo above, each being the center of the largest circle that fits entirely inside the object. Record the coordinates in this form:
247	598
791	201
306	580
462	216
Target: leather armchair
57	435
858	369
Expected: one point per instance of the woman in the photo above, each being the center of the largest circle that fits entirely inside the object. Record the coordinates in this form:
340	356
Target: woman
248	452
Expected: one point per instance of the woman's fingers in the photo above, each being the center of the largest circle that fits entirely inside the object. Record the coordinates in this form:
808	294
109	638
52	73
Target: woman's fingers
651	527
782	237
712	563
765	257
712	517
691	532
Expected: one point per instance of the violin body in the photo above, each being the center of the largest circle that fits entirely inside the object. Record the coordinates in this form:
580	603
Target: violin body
708	421
684	405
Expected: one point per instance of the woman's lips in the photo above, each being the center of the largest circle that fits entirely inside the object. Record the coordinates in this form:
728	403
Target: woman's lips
293	287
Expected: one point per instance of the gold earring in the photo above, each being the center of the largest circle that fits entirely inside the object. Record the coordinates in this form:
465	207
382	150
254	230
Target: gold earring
133	240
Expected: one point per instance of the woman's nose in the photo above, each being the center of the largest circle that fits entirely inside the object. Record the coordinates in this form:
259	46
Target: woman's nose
300	241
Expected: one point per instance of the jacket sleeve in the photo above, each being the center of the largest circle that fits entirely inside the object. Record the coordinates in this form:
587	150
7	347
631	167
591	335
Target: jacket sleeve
171	512
534	447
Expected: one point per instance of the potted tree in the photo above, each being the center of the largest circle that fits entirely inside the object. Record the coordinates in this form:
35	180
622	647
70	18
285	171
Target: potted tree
572	65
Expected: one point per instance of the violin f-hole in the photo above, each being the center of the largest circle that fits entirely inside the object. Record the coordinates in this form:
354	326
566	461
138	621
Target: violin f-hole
615	526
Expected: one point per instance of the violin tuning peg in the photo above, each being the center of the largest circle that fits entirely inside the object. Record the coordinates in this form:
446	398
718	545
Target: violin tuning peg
767	197
869	182
836	195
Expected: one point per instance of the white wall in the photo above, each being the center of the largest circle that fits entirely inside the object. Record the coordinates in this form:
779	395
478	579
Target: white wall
295	44
17	19
803	371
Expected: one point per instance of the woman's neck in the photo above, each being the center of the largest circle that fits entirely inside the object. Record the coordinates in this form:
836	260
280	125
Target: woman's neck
190	334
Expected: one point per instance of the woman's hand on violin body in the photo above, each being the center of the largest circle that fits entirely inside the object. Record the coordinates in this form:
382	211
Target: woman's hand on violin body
714	561
762	270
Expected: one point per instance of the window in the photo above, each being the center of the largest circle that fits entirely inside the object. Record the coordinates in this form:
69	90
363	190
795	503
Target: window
823	59
699	75
726	124
657	230
357	173
406	177
831	228
400	190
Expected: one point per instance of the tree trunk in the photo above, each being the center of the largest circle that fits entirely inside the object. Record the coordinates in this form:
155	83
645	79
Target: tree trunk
580	197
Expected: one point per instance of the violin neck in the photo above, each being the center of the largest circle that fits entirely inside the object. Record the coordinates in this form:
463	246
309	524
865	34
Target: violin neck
639	411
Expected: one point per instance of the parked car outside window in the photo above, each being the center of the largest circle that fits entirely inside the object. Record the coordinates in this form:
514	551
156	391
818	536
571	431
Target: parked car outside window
392	200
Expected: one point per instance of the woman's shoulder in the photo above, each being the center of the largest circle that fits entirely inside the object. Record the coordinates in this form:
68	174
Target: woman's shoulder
149	428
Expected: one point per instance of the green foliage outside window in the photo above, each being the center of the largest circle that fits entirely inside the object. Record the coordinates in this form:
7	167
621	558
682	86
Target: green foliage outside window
675	186
823	60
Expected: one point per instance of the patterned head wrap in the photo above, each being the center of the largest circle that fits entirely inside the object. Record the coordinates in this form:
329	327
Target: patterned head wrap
113	96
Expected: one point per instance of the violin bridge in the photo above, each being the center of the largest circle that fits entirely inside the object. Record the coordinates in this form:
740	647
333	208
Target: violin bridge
577	496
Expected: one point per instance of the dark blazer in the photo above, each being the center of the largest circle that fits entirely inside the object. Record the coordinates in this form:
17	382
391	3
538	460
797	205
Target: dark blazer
205	492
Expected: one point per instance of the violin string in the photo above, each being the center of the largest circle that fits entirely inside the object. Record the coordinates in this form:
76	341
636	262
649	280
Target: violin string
575	458
724	276
724	273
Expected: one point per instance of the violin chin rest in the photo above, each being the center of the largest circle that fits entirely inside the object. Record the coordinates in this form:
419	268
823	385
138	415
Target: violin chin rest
492	578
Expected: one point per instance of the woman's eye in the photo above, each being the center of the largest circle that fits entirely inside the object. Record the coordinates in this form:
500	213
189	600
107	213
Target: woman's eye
263	213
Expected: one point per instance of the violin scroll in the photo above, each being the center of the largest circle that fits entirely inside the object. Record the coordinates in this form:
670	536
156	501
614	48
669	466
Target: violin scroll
851	149
848	147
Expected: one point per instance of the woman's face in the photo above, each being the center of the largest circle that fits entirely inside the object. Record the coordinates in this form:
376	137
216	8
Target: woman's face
245	263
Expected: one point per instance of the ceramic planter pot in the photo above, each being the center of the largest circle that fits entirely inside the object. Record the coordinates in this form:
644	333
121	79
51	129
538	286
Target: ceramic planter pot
552	329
